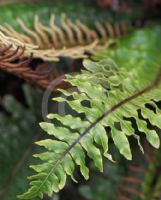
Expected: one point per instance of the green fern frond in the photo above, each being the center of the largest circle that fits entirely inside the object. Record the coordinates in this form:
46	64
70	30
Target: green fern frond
114	76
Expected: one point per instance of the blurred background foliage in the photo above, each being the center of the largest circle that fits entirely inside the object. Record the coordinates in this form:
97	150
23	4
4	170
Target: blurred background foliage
20	109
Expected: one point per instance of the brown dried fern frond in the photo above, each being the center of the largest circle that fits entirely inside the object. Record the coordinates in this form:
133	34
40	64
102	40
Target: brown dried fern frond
131	184
69	39
13	43
10	61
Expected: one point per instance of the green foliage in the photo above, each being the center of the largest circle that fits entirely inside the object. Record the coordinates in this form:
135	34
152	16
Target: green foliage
106	185
85	10
17	131
112	76
152	182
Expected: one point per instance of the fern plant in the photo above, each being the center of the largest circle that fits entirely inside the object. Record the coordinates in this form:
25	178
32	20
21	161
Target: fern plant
108	79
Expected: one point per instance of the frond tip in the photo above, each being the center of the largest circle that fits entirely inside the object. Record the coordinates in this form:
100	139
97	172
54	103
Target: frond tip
115	93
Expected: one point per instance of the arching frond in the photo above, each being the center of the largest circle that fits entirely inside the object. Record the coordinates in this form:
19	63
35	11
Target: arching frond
113	90
66	38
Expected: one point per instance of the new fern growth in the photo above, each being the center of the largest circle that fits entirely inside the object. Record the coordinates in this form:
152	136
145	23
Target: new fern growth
114	88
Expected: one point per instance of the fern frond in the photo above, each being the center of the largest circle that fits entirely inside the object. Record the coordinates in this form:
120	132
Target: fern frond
66	38
13	42
8	58
113	105
143	182
132	183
